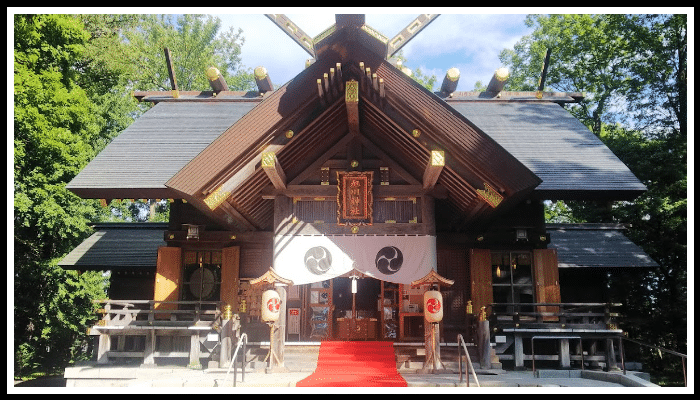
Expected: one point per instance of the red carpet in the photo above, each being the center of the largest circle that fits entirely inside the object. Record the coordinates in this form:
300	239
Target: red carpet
359	364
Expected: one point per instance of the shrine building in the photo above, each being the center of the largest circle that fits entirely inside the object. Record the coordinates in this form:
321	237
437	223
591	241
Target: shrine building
344	187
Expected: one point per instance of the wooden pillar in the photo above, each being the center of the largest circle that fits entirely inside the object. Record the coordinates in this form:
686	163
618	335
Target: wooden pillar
226	349
484	344
610	359
564	354
593	351
105	343
277	328
519	354
150	348
194	349
433	362
278	332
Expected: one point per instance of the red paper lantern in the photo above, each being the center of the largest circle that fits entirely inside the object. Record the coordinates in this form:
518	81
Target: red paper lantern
432	306
271	304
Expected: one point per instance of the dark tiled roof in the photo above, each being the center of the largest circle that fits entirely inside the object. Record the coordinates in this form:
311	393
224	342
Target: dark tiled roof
554	145
595	245
571	161
155	147
135	246
118	246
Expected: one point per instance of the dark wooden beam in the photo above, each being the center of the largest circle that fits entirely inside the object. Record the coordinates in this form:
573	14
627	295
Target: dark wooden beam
316	165
262	79
216	80
378	191
433	169
498	81
352	96
545	67
271	165
171	72
449	83
393	165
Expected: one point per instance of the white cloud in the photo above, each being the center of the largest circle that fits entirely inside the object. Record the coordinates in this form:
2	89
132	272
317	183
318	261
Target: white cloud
471	42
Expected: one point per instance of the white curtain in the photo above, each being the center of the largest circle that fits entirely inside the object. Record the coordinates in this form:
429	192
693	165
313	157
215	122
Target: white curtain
392	258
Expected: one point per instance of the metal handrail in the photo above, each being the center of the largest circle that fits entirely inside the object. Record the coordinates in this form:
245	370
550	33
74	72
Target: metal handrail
681	355
460	339
242	340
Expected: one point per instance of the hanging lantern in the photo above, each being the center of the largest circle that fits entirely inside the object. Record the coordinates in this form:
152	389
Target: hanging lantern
270	306
432	306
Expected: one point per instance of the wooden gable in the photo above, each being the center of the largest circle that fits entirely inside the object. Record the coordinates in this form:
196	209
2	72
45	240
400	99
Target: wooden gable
306	124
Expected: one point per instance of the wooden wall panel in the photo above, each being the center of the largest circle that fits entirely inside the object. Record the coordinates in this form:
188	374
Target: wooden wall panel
452	264
167	285
230	265
546	276
480	272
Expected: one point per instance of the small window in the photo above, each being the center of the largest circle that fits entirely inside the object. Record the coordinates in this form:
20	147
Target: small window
512	277
202	276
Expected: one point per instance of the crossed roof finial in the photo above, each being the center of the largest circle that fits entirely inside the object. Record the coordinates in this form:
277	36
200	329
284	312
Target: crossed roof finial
355	20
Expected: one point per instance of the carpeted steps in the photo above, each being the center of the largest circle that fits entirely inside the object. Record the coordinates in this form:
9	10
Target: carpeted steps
359	364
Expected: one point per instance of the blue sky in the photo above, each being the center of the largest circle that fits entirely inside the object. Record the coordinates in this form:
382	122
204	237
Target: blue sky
466	38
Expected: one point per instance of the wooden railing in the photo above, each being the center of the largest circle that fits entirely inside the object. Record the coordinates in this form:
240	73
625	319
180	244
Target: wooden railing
181	326
137	313
558	322
597	316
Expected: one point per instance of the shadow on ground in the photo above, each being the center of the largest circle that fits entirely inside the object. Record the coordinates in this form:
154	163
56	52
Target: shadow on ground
48	381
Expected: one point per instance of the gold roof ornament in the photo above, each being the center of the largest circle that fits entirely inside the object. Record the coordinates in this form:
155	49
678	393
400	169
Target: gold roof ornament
271	277
433	277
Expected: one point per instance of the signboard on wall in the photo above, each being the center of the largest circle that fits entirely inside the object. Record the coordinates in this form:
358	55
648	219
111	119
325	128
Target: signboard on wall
355	197
294	321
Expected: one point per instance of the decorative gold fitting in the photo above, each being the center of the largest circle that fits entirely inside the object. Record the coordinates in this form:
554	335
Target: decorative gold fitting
227	312
470	308
482	314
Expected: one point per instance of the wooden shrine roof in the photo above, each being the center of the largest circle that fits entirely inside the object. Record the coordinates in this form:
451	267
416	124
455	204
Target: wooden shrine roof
138	162
134	246
118	246
571	161
208	149
595	245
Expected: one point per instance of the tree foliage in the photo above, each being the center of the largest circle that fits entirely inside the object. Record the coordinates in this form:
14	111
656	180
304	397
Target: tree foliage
633	72
195	44
73	78
55	129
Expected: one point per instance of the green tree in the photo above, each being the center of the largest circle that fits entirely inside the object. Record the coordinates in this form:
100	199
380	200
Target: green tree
73	78
428	82
195	44
589	55
54	132
633	71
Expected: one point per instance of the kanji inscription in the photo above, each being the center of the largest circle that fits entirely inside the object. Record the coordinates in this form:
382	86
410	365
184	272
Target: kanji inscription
355	197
